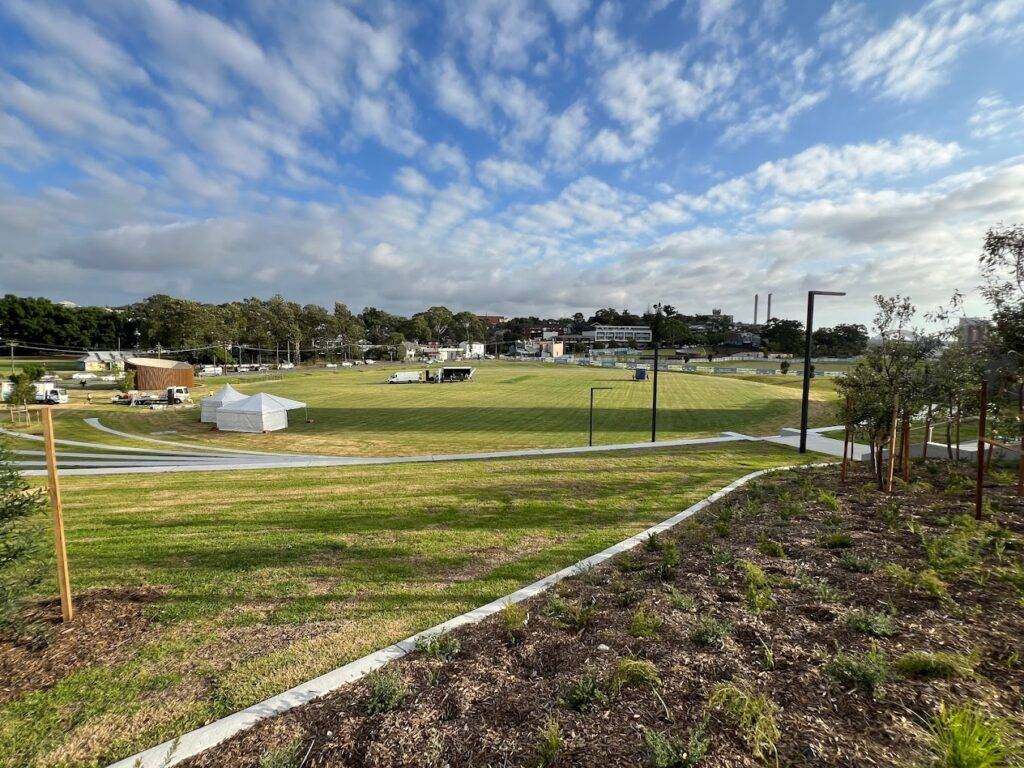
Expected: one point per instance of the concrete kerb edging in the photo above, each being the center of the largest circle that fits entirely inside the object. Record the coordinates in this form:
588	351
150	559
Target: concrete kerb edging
190	744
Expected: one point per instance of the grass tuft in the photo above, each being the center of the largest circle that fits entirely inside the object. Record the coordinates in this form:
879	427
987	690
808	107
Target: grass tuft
634	673
754	716
443	647
709	631
872	623
584	694
549	742
667	751
288	756
387	692
863	672
965	737
645	623
921	665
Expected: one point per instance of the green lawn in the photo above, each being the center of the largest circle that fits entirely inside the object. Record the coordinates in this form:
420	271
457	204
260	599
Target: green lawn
271	578
508	406
62	364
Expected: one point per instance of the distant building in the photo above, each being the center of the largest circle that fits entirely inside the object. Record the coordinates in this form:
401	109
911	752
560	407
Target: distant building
637	333
973	331
407	350
103	361
472	349
67	304
551	348
491	320
152	373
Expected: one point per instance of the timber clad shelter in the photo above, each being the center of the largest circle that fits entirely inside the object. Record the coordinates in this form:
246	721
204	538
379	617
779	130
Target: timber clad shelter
153	373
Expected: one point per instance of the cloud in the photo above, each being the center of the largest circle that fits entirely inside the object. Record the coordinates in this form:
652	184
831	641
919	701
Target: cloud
568	11
412	181
567	132
494	173
499	34
912	57
766	121
456	97
995	118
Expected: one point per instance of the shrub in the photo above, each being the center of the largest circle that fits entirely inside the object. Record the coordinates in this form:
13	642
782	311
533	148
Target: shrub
387	692
627	562
668	563
644	623
836	540
575	615
862	672
666	751
752	714
709	631
633	673
926	581
965	737
584	694
549	745
921	665
443	647
873	623
22	542
758	591
513	618
829	500
680	601
770	548
653	542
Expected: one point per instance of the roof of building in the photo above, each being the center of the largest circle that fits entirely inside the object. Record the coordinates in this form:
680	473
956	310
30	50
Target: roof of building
156	362
104	356
262	402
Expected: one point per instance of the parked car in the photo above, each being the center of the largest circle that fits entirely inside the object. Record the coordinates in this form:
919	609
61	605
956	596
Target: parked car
286	366
331	365
83	376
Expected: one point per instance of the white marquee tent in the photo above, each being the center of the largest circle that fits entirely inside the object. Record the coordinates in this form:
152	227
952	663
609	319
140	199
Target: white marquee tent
209	405
258	413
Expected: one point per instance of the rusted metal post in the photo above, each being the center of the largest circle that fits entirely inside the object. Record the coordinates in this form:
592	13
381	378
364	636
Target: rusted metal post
979	482
63	577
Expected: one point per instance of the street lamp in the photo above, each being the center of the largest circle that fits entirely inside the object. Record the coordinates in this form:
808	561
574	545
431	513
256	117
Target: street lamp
805	404
590	439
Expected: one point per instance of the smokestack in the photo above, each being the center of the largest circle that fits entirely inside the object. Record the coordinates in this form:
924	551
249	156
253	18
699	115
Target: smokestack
769	317
757	297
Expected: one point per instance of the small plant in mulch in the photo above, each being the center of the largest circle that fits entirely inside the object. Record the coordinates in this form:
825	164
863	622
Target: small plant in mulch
634	673
514	617
668	563
645	623
653	542
628	562
753	715
820	589
386	692
584	693
856	564
288	756
836	540
921	665
859	671
965	736
770	548
443	646
549	743
709	631
756	587
925	581
871	623
829	500
681	601
667	751
575	615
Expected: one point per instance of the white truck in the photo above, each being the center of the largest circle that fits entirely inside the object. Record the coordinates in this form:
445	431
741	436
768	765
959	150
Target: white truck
405	377
48	394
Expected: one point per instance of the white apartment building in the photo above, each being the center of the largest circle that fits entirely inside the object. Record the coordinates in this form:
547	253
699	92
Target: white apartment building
638	333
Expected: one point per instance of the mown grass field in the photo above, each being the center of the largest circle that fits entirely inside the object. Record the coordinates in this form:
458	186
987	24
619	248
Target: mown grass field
507	406
268	579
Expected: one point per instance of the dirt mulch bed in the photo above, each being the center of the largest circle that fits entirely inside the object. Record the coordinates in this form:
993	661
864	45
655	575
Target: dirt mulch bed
107	627
708	627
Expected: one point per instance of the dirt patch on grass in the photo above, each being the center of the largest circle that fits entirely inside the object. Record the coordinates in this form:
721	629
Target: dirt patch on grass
106	629
794	621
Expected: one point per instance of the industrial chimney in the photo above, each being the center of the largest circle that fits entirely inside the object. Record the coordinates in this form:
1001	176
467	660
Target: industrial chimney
757	297
768	319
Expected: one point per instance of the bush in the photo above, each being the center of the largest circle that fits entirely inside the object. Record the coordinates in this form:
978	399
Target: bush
680	601
752	714
965	737
921	665
862	672
443	647
770	548
668	563
575	615
584	694
513	618
387	692
22	543
633	673
666	751
645	624
709	631
550	742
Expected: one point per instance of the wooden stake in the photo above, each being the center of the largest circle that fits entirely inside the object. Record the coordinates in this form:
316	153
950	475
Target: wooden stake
1020	457
978	489
892	445
63	578
927	432
905	453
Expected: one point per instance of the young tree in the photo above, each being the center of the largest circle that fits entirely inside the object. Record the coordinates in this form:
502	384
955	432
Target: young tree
22	541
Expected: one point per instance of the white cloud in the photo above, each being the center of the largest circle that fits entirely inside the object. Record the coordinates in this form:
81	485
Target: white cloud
456	97
822	166
767	121
717	15
912	57
567	132
494	173
412	181
994	117
497	33
568	11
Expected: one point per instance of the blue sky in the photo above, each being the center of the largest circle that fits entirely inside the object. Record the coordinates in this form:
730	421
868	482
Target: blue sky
510	156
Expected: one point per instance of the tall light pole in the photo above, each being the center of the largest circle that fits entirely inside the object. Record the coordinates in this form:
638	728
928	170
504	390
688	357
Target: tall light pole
805	404
590	439
656	338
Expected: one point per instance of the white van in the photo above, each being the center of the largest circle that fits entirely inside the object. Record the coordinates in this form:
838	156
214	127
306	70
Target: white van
210	370
405	377
49	394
